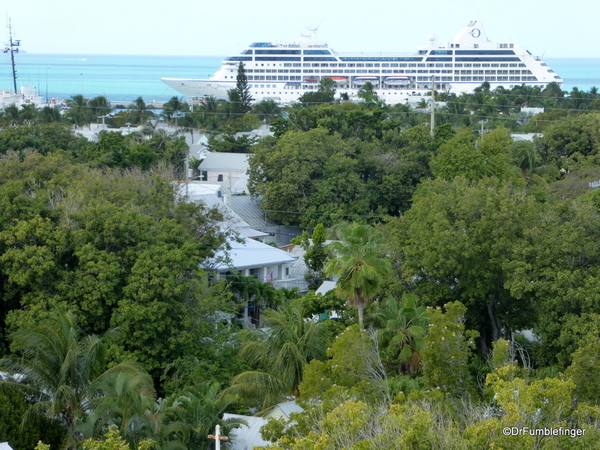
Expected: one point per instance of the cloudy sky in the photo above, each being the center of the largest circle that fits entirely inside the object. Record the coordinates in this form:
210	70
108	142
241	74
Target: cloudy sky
201	27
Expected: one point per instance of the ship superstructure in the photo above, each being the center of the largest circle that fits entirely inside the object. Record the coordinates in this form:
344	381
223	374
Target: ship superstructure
283	72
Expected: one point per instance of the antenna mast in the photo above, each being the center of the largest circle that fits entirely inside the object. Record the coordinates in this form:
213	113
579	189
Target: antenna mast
12	47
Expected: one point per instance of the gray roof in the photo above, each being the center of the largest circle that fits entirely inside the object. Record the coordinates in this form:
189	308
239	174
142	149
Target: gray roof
207	193
249	210
325	287
259	133
234	162
5	446
290	407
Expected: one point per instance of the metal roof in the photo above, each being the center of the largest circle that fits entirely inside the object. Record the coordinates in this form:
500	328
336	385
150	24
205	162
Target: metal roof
288	408
251	253
325	287
223	161
249	210
245	437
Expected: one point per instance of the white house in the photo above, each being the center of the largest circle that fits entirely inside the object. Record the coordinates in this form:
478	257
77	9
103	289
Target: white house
5	446
227	169
244	254
254	259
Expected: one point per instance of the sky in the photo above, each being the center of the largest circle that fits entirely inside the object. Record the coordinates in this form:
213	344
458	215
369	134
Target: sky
199	27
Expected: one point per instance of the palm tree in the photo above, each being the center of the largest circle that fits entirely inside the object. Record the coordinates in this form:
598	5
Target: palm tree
173	109
49	114
99	107
62	368
79	112
12	115
402	334
358	264
126	400
199	409
278	355
139	112
267	110
369	96
28	114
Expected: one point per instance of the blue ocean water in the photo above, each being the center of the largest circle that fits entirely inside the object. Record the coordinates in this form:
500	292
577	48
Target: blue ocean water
123	78
582	73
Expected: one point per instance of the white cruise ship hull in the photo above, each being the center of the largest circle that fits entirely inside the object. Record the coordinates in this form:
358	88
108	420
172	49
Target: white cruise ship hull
284	72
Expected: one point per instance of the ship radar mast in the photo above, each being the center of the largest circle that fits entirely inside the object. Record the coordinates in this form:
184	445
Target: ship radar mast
12	47
306	38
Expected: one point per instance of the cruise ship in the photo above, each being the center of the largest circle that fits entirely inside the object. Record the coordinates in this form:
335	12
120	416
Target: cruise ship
284	72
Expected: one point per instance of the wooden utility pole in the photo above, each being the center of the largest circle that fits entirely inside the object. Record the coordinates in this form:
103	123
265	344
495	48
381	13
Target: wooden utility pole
432	120
217	437
482	123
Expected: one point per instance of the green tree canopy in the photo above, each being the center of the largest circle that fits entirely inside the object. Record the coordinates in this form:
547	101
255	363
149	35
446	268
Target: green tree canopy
454	244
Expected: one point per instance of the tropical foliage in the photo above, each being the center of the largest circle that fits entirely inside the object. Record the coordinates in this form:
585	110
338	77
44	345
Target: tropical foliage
358	266
450	252
278	354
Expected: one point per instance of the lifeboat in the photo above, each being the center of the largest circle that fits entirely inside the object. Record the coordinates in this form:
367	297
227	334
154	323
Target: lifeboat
361	81
396	81
310	80
339	80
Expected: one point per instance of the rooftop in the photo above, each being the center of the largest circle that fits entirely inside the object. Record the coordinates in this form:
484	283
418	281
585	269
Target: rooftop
250	253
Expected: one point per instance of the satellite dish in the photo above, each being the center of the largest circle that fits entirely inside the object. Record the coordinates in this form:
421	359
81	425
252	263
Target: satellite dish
432	37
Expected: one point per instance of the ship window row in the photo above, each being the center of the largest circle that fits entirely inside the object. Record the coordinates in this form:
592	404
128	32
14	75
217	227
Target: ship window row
421	71
486	58
278	58
317	52
419	79
380	58
429	70
262	44
239	58
319	58
484	52
275	78
430	60
278	52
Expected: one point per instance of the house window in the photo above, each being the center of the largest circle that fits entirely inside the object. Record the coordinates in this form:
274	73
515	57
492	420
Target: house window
204	175
220	177
287	271
254	273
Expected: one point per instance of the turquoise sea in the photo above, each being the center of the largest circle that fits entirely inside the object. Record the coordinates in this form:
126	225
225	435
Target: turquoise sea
123	78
